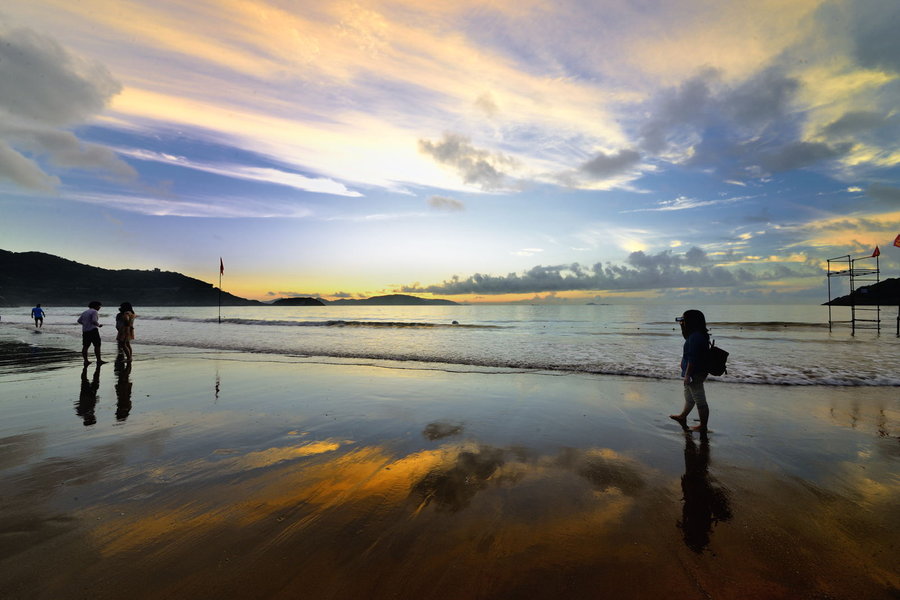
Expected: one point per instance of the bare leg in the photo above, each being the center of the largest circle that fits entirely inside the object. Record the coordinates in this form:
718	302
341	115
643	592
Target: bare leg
681	418
97	354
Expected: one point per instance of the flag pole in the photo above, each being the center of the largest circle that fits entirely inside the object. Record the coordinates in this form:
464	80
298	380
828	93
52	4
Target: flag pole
221	270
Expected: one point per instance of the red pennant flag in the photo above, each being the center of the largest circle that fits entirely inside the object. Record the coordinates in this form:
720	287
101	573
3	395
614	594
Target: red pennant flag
221	266
876	253
897	241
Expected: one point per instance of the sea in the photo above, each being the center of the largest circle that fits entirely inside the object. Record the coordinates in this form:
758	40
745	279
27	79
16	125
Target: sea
768	344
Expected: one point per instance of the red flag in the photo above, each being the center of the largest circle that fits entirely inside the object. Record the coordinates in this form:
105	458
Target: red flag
876	253
221	266
897	241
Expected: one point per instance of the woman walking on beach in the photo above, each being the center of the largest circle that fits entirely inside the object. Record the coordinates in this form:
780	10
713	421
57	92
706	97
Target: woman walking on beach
125	328
693	367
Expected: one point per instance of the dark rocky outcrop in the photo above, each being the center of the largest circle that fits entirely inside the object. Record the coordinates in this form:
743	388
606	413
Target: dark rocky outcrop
884	293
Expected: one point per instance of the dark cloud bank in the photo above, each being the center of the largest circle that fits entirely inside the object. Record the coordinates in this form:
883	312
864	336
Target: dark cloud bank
692	269
746	131
46	91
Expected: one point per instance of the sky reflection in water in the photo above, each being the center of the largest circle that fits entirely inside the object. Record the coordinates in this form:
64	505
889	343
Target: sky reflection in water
362	481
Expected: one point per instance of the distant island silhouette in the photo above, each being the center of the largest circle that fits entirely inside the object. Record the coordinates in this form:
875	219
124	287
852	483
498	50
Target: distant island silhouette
27	278
395	300
302	301
884	293
389	300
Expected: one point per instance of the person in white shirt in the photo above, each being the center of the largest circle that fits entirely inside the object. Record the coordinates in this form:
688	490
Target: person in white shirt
90	331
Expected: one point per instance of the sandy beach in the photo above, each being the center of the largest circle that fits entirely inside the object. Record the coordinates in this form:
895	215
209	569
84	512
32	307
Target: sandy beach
231	475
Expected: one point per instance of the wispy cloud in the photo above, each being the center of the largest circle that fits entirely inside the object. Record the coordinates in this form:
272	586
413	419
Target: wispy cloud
355	91
373	217
194	206
250	173
601	125
528	251
686	203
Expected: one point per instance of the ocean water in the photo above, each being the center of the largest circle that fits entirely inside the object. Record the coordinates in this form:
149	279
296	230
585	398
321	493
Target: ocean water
768	344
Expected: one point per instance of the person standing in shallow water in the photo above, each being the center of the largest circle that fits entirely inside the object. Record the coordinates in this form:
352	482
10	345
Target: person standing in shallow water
37	313
693	368
90	331
125	330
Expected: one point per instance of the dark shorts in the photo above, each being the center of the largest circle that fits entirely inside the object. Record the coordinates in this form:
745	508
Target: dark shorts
90	337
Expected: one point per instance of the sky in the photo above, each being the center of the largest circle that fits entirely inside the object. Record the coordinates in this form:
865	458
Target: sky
548	151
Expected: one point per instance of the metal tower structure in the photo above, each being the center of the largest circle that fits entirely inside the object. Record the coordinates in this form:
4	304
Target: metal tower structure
859	273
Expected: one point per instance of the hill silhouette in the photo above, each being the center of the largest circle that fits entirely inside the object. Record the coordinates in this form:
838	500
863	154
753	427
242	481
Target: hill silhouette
885	293
27	278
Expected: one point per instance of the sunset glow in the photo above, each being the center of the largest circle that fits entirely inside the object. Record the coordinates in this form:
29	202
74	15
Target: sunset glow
505	151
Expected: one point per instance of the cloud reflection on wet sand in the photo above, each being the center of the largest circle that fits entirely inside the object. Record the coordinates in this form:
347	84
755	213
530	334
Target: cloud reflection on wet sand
375	501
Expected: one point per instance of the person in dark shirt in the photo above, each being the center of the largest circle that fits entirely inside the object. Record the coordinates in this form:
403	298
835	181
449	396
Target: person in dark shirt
693	368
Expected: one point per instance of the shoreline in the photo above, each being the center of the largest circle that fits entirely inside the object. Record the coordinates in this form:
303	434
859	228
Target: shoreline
208	475
55	342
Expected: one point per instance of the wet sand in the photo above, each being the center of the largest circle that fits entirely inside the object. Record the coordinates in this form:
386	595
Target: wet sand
245	476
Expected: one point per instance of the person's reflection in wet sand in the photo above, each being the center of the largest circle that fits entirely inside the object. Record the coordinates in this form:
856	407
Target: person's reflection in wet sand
87	399
123	390
705	502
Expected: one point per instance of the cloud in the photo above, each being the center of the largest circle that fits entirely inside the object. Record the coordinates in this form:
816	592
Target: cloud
321	185
679	203
874	34
677	108
693	269
474	165
65	150
51	85
52	89
797	155
741	131
854	122
195	206
376	217
884	193
687	203
606	165
762	99
24	172
445	203
486	103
